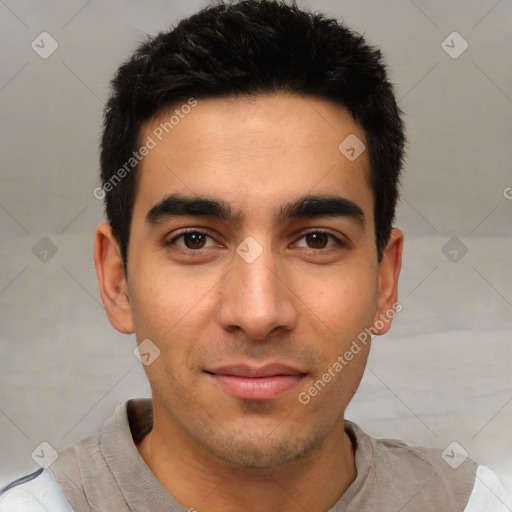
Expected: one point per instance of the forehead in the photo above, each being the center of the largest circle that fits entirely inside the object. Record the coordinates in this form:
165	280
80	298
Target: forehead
251	149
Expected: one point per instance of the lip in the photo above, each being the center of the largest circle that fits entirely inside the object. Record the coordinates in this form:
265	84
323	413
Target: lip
248	382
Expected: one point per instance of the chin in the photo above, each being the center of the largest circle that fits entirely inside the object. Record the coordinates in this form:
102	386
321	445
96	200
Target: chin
263	451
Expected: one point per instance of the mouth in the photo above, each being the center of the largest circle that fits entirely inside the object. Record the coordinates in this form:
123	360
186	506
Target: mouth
248	382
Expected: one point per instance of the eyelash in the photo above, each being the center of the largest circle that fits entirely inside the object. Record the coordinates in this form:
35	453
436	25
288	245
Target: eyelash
172	241
181	250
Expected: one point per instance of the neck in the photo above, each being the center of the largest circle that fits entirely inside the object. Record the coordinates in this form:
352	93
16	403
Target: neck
202	481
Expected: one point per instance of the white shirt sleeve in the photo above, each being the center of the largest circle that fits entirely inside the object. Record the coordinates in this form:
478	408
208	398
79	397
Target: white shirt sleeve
488	493
42	494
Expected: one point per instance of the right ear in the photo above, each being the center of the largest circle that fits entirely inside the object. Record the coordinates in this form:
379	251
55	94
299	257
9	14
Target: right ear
111	279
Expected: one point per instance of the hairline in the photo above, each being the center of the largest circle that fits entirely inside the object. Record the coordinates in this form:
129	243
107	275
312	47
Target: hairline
250	95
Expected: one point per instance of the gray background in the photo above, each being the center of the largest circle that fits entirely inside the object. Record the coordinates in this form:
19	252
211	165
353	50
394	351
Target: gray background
443	374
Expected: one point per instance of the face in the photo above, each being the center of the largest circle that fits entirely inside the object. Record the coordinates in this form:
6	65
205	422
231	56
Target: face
252	266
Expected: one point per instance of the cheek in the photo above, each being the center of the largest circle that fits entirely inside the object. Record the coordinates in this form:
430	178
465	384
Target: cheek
345	301
163	297
170	312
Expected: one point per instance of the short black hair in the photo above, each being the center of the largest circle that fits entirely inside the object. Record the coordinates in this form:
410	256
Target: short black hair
251	47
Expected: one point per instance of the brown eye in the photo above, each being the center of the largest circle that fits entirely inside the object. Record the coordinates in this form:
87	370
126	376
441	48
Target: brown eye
193	243
317	240
194	240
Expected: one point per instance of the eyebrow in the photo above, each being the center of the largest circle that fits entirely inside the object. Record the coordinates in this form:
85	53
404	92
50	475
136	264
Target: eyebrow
176	205
308	206
312	206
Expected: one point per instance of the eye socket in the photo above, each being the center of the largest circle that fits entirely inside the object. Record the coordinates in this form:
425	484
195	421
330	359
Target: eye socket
193	240
318	240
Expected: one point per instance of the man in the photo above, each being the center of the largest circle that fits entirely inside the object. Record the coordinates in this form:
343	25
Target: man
250	164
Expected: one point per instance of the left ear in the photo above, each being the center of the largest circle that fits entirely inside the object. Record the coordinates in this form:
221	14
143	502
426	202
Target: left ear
389	271
111	279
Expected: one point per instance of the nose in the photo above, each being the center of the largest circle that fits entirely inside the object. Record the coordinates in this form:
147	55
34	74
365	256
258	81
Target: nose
256	299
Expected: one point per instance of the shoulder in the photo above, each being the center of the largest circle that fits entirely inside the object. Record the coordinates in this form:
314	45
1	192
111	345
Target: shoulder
477	486
426	478
400	457
430	474
488	493
79	472
37	492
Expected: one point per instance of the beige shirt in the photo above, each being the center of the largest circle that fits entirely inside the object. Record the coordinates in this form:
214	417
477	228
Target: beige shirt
105	473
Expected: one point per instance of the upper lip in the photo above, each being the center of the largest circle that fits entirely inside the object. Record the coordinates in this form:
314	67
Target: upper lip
246	370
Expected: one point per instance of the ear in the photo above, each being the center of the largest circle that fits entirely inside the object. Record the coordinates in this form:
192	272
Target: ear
111	279
389	271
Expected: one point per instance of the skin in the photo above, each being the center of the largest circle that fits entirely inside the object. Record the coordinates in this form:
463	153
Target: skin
301	302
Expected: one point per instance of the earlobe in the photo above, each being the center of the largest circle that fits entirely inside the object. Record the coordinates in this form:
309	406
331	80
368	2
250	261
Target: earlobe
389	272
111	279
